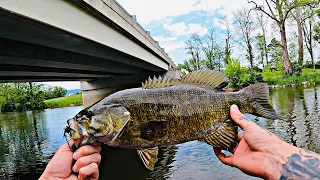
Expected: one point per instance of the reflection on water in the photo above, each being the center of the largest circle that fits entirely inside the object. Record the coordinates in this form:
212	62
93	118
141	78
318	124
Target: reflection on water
293	106
29	139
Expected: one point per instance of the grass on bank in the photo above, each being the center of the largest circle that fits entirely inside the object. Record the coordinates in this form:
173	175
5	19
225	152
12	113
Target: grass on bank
73	100
277	78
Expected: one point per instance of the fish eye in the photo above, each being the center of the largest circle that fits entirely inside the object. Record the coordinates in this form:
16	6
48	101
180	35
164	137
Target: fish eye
89	114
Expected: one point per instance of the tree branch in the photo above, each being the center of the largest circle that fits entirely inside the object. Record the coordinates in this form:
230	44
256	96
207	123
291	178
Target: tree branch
288	12
260	9
295	6
270	8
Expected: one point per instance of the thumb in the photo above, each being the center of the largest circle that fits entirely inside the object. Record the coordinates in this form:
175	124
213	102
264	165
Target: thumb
240	118
66	146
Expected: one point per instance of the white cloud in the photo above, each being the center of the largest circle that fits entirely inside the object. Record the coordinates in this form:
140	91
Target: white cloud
149	10
164	39
173	45
217	23
181	28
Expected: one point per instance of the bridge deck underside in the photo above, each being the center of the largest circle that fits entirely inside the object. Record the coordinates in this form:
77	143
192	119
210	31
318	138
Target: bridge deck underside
32	51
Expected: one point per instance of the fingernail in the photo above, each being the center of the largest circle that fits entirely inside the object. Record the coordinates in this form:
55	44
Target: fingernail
234	107
74	168
76	155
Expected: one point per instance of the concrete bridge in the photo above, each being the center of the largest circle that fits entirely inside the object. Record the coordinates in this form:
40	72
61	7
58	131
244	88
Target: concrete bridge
93	41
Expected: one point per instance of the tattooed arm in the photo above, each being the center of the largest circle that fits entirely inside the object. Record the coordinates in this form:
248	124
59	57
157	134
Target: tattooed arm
302	165
260	153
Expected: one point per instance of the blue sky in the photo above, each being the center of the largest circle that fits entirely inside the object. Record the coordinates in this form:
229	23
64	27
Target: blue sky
171	22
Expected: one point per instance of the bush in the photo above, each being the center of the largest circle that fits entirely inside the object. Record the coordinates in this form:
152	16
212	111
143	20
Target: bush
277	78
296	68
240	77
308	64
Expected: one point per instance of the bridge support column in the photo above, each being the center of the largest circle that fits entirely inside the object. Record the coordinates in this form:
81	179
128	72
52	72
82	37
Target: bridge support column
95	90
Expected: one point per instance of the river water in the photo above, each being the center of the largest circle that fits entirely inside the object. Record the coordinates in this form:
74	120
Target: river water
28	141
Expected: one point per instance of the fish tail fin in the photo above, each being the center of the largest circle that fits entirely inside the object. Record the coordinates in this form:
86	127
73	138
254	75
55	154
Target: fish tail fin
225	137
262	107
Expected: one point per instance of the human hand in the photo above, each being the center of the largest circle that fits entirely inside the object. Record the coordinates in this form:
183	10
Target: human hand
259	152
87	161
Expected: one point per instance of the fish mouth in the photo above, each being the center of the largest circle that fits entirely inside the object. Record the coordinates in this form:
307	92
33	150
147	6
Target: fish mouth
76	131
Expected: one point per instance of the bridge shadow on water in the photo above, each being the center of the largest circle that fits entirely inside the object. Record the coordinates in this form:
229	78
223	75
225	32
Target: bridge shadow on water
119	163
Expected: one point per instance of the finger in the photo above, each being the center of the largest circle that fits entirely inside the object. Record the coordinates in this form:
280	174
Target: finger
91	171
86	160
223	158
96	143
239	118
65	146
85	151
234	149
240	136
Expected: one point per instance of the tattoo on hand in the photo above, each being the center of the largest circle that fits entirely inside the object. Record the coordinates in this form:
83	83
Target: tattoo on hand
305	165
244	117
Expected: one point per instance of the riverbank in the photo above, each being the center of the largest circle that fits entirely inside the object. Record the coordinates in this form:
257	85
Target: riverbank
308	76
68	101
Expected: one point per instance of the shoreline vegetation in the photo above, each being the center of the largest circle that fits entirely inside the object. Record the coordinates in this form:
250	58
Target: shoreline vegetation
308	77
281	55
68	101
27	96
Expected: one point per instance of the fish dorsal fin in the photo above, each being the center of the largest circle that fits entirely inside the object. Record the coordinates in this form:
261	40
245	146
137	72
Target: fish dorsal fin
225	137
148	157
206	78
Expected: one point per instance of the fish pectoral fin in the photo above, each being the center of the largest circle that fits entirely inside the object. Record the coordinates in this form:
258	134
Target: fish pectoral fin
148	157
225	137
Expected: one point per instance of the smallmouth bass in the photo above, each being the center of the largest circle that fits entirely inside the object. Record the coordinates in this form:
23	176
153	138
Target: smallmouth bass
168	111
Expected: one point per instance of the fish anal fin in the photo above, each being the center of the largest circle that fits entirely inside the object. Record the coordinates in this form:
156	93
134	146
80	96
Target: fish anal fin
148	157
225	137
204	78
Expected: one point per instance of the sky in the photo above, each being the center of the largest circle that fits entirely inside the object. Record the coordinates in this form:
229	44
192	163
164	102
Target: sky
171	22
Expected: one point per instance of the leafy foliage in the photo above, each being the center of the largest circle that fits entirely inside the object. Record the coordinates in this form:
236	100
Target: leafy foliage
278	77
275	51
55	92
260	42
240	77
26	96
316	35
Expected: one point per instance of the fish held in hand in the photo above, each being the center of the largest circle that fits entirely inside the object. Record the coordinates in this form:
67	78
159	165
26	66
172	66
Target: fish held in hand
168	111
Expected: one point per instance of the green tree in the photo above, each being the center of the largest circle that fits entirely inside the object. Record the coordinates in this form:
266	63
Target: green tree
210	50
194	49
224	21
246	26
278	11
187	66
260	45
316	35
275	53
239	76
316	29
25	96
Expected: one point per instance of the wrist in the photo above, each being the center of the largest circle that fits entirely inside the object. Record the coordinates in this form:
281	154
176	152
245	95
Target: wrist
278	155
